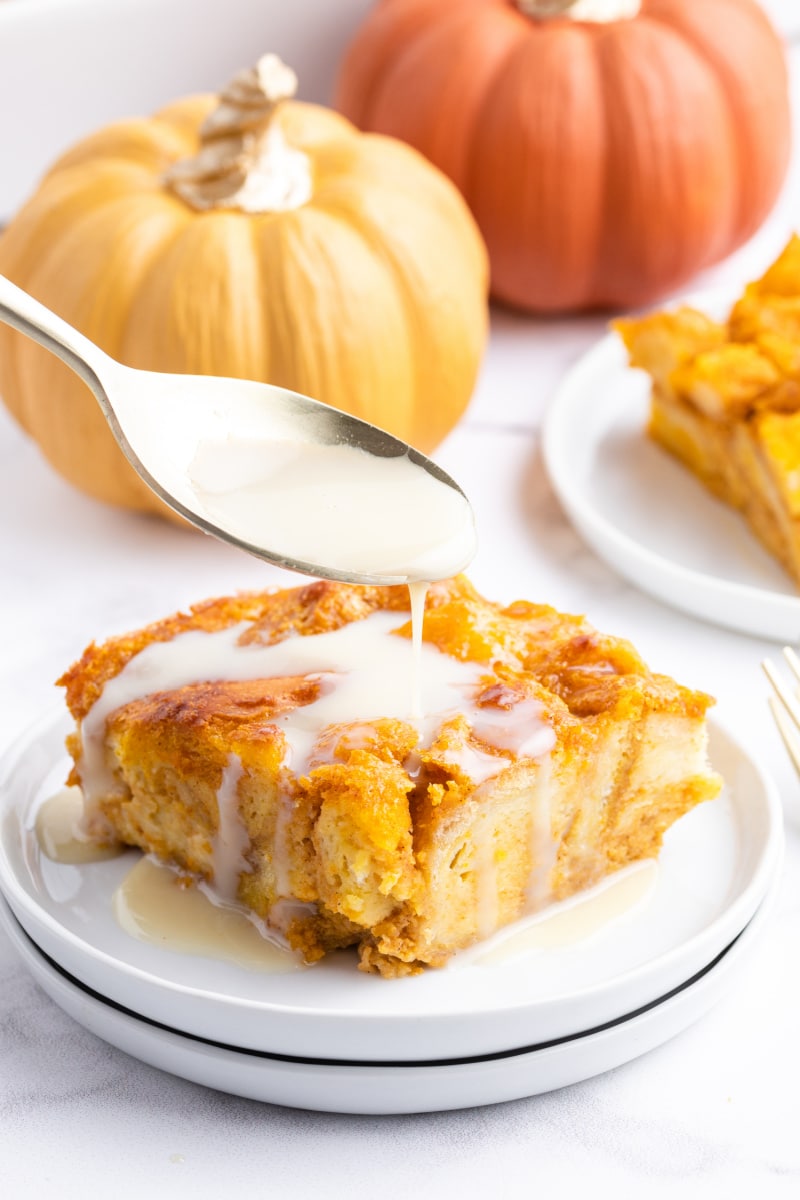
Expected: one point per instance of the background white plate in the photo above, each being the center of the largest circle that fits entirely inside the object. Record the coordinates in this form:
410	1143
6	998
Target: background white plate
646	514
714	871
392	1088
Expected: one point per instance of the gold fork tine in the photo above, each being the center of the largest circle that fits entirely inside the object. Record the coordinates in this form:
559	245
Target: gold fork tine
788	699
789	736
792	660
785	706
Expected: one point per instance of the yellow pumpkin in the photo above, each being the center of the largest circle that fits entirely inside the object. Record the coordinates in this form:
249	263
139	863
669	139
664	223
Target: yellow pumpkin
252	236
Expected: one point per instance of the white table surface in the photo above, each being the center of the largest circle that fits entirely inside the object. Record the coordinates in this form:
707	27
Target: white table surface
712	1114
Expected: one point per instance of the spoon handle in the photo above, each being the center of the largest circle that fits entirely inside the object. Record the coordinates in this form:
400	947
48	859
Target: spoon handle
19	310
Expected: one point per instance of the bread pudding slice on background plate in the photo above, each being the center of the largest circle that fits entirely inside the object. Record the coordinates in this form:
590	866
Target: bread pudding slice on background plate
716	383
726	399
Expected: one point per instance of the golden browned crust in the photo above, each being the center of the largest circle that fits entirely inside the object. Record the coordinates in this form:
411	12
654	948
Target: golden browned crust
316	608
389	845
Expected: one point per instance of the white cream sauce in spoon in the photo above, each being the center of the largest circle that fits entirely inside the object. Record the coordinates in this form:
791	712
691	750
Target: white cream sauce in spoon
278	474
336	508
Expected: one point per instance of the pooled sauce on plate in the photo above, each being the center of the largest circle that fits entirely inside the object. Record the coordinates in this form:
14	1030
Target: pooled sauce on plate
575	919
59	833
155	905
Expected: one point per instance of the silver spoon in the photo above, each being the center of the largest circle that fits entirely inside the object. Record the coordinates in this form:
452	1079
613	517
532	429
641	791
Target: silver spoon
166	424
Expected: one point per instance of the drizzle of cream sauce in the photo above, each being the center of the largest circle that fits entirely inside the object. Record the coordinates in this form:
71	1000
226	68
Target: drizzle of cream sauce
281	849
363	673
485	865
417	594
365	666
542	843
231	844
518	728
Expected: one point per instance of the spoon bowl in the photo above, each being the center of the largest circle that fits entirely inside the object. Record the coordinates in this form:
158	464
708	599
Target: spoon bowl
273	472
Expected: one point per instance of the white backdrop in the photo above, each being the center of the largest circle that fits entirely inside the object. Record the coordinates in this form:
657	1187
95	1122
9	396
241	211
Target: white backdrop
69	66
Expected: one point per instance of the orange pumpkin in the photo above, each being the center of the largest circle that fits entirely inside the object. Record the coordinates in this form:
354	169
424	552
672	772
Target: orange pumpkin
609	149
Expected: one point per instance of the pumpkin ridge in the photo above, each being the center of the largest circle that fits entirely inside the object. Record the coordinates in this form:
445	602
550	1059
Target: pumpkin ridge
677	191
15	244
531	122
261	273
358	224
145	279
454	28
86	423
421	427
662	19
166	316
370	234
392	22
290	352
599	297
297	271
138	146
670	18
185	115
594	287
500	67
514	51
173	226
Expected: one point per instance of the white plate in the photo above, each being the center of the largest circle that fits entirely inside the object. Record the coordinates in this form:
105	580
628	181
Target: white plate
392	1087
646	514
714	871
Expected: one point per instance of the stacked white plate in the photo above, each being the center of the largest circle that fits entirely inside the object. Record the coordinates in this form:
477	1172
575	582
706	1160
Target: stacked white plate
492	1026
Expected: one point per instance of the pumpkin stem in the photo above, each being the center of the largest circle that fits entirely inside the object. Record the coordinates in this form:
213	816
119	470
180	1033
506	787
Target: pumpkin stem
599	11
244	162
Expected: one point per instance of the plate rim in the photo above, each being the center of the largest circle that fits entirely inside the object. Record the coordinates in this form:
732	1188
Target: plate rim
395	1089
571	393
18	898
20	936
